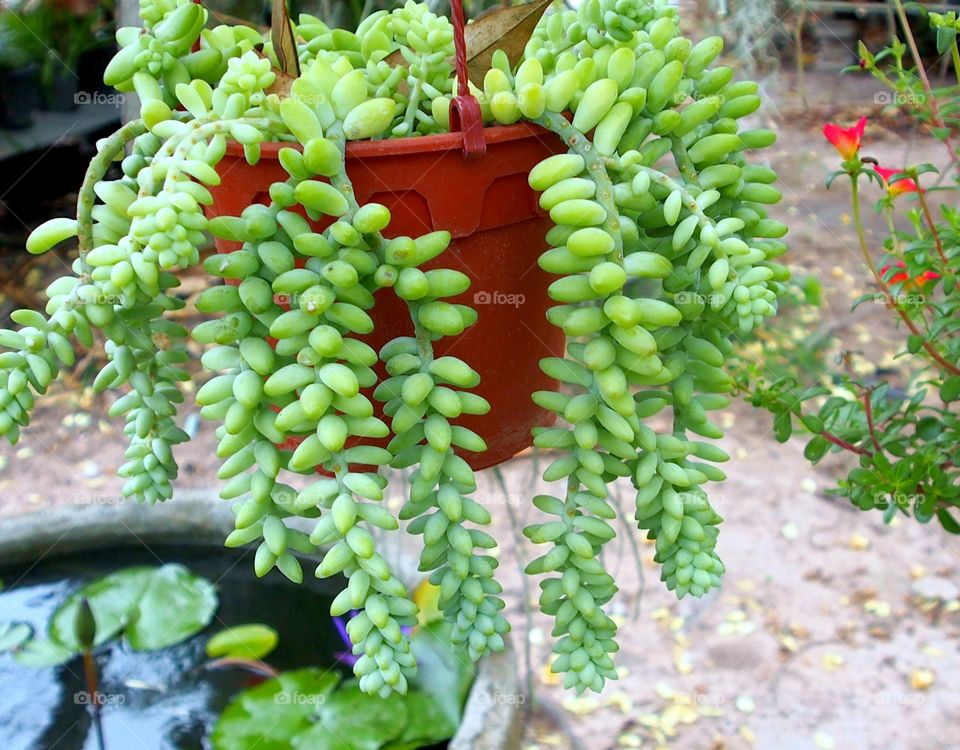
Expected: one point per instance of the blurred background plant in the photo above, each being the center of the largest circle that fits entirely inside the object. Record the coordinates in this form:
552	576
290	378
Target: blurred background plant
901	427
55	37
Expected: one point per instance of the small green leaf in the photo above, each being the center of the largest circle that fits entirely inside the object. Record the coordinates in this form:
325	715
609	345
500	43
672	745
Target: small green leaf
945	37
812	423
950	389
914	343
782	426
929	428
816	448
948	522
253	641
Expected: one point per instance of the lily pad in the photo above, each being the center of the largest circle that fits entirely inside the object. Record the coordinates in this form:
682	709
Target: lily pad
175	605
352	720
271	715
427	723
154	607
112	600
42	652
13	634
253	641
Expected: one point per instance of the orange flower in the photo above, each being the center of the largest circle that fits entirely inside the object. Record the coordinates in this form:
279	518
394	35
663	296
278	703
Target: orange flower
897	187
845	140
901	277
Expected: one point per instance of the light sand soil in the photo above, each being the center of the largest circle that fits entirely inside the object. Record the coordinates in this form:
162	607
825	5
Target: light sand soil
817	640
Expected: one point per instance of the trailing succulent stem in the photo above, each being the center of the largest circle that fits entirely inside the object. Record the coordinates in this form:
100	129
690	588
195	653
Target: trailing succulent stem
658	265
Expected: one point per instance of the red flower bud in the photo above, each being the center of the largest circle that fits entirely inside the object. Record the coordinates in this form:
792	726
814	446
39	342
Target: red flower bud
845	140
895	188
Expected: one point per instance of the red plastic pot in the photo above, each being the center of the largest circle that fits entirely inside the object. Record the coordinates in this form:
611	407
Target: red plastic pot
498	234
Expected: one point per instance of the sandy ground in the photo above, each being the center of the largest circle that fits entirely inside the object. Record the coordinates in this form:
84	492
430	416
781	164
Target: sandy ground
832	630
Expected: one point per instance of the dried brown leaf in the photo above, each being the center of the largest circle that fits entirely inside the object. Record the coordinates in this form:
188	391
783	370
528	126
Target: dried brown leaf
282	82
284	43
507	28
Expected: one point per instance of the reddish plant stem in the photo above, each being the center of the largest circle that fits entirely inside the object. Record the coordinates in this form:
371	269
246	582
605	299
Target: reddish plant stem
868	408
933	228
891	303
830	437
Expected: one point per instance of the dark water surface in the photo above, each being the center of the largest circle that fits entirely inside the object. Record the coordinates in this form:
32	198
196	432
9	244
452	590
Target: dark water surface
163	700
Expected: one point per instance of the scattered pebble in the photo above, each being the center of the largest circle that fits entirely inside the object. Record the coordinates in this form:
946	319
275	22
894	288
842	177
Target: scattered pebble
921	679
832	661
877	607
935	587
808	484
621	701
859	542
824	741
789	531
581	705
745	704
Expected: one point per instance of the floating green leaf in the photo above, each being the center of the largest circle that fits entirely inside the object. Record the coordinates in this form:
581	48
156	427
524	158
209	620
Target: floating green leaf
42	652
427	723
271	715
252	641
176	605
154	607
13	634
112	599
350	719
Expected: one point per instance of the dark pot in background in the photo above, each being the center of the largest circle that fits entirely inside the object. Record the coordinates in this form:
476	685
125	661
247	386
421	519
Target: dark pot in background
60	94
19	96
90	68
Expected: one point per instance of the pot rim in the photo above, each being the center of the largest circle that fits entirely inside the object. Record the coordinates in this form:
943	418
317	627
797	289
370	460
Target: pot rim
410	145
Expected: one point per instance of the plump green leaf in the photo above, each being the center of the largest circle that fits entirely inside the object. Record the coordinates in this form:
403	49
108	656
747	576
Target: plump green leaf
948	522
816	448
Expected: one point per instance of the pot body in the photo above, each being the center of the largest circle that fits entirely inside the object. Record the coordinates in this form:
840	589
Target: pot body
61	92
498	234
